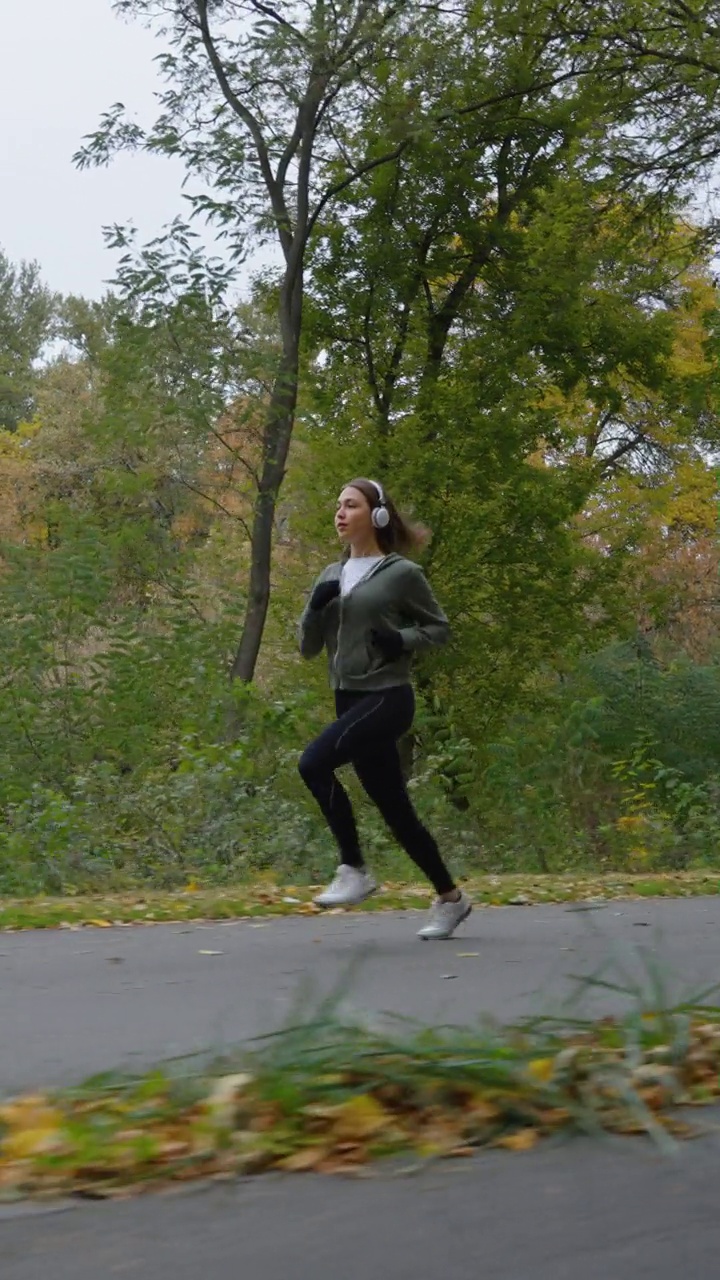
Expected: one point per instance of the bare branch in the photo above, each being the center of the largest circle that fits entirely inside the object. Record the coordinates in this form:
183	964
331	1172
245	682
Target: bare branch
219	505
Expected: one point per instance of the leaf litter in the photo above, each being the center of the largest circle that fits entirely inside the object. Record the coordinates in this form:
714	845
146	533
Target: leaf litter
266	899
329	1095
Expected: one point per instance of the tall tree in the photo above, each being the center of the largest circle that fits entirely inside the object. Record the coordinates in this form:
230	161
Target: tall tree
27	314
574	358
280	111
258	96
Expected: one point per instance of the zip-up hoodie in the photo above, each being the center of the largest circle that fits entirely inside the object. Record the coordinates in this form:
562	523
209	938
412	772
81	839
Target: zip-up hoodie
395	594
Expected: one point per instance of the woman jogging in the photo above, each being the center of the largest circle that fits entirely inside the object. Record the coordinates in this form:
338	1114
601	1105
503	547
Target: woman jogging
371	611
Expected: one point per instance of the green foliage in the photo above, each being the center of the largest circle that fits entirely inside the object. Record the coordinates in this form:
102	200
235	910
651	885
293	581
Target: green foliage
506	317
27	318
617	766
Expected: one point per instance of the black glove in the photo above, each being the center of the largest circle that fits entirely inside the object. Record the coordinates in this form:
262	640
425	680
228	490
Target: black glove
388	641
324	593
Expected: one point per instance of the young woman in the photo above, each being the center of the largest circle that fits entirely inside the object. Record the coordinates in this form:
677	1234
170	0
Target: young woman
371	611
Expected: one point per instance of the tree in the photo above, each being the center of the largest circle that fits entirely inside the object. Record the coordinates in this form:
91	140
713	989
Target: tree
362	84
472	109
255	104
27	315
571	380
667	52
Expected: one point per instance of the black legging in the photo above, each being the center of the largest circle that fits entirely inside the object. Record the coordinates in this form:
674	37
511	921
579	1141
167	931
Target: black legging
365	735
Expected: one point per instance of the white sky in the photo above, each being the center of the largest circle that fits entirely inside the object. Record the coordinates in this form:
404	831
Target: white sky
65	62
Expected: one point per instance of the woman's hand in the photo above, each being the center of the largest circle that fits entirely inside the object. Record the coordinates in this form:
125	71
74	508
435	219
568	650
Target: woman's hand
388	641
324	593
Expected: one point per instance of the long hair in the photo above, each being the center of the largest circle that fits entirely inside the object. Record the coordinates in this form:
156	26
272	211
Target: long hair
400	534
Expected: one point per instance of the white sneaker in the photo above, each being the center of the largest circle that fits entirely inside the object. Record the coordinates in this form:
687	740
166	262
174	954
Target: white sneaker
445	918
350	887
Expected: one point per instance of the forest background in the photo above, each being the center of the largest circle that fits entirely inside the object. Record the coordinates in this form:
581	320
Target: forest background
496	234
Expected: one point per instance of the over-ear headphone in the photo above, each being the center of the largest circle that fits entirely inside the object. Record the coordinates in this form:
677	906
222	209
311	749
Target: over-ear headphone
380	515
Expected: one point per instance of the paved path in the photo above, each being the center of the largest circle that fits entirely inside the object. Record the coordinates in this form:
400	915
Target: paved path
72	1003
582	1211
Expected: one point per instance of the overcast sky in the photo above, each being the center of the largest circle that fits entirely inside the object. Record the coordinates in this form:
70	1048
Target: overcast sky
64	62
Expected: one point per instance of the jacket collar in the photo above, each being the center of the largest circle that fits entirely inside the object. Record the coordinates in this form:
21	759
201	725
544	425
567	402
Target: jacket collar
391	558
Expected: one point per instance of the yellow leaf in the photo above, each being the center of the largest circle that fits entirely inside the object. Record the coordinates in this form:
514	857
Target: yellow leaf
34	1127
359	1118
301	1161
541	1069
100	924
481	1109
523	1140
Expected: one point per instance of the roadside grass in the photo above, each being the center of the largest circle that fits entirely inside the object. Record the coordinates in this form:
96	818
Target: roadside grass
265	897
335	1095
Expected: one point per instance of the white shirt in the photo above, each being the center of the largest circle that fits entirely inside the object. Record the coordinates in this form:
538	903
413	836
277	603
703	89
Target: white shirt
355	569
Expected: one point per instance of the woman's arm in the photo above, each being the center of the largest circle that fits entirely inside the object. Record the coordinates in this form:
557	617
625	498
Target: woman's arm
429	624
311	628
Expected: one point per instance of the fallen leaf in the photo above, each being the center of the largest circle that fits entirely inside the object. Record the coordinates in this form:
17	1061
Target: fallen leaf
222	1102
447	977
211	953
99	924
541	1069
34	1127
359	1118
467	955
523	1140
302	1161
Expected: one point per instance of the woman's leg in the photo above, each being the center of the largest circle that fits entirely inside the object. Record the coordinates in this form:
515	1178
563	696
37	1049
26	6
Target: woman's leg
380	773
332	797
365	722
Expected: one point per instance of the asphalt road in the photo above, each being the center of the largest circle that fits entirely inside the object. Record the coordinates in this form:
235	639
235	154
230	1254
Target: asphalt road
582	1211
75	1003
72	1003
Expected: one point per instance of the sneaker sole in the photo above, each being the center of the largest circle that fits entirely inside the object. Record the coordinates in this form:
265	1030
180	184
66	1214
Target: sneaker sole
355	902
443	937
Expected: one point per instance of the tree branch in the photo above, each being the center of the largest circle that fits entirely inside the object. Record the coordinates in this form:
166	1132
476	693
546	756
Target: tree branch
214	502
269	12
353	177
277	200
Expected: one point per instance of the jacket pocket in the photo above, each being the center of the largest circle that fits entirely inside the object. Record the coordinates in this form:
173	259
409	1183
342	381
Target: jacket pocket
376	659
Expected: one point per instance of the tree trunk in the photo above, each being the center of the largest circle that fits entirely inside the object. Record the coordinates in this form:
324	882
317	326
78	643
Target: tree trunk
277	434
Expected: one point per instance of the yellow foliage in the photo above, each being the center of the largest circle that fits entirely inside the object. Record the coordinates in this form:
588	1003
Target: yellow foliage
541	1069
359	1118
34	1127
523	1140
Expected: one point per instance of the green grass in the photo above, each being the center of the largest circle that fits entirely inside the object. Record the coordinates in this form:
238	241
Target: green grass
329	1095
266	898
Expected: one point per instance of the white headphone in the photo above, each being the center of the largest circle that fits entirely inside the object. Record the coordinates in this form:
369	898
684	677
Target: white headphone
380	515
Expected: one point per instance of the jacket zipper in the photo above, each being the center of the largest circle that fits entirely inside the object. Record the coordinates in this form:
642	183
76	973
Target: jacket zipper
336	667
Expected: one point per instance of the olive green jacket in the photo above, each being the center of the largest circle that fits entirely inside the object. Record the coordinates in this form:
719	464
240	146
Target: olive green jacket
394	594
